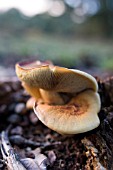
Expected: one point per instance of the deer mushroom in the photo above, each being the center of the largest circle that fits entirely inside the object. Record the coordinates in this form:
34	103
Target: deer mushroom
67	100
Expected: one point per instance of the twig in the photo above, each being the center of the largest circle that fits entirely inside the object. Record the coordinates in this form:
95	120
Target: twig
19	140
10	157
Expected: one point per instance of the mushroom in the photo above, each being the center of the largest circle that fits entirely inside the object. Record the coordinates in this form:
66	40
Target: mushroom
67	100
30	103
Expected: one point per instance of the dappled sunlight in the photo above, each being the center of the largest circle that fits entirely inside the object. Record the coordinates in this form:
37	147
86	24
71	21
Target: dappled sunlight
29	8
57	8
54	8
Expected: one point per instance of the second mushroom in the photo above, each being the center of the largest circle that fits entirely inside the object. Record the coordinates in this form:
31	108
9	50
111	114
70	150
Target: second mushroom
67	100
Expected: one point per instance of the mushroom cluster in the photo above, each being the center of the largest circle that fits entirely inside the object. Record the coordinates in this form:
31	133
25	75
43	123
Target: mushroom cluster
67	100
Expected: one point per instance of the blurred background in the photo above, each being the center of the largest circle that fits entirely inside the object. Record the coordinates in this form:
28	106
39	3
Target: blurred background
71	33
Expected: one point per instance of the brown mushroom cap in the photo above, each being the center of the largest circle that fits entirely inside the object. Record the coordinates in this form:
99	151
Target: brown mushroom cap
57	79
79	115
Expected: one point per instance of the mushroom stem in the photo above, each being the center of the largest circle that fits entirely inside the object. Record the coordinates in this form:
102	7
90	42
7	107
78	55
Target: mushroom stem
51	97
34	92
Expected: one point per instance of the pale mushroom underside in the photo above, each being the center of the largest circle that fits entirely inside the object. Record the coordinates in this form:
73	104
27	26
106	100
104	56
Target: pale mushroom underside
79	115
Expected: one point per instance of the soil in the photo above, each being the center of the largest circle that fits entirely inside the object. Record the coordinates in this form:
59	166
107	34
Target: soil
88	151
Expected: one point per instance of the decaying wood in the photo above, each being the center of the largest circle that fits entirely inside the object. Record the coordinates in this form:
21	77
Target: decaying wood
92	156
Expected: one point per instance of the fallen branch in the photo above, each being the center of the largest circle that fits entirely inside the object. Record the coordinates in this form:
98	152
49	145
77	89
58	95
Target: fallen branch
11	158
14	161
